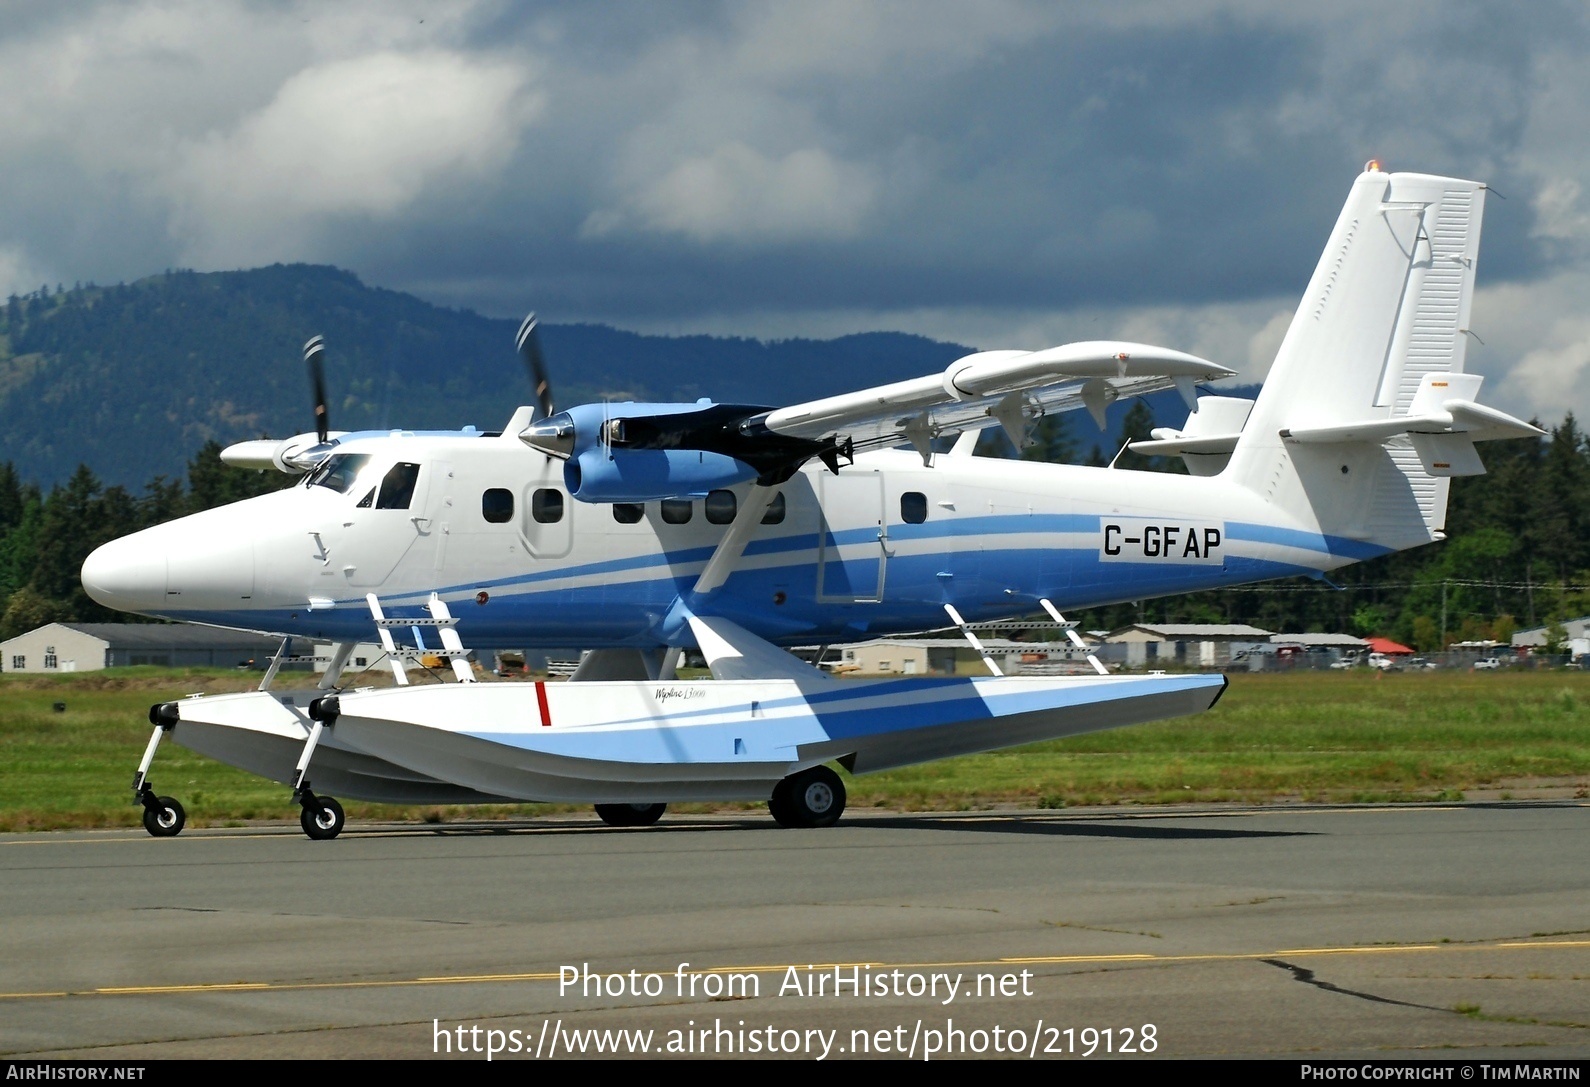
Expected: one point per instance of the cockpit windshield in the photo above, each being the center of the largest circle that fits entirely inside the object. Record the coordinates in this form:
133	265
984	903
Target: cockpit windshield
339	472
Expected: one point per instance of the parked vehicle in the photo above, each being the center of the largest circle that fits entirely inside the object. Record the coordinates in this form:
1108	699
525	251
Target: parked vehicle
1487	664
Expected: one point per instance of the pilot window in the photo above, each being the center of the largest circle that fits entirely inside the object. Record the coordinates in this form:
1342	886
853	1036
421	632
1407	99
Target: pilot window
397	487
720	507
338	472
913	507
676	511
775	510
628	513
546	506
496	505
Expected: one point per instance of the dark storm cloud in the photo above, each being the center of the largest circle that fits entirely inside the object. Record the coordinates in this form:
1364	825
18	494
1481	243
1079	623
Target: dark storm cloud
635	162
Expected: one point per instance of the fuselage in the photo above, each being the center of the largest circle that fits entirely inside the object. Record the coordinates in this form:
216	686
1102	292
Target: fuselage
880	547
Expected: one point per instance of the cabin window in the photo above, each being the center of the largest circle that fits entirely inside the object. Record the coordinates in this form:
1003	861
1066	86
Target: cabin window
19	663
720	507
339	473
546	506
397	487
775	510
913	507
496	505
49	656
676	511
628	513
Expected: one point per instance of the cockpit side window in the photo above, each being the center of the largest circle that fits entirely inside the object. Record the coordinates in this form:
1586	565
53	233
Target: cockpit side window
339	472
397	486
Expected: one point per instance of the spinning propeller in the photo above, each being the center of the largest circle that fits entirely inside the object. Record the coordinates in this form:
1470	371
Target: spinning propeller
535	362
314	356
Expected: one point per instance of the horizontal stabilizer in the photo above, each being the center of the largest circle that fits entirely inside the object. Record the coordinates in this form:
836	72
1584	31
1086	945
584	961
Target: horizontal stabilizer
1208	438
1176	446
1443	427
1443	405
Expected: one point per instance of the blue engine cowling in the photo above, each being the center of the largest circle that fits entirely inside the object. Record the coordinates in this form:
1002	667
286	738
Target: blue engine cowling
641	452
642	475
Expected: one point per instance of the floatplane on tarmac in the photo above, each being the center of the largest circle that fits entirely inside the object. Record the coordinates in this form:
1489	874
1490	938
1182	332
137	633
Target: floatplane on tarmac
637	530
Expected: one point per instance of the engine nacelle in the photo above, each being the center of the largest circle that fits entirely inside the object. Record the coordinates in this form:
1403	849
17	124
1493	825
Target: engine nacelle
292	455
644	475
641	452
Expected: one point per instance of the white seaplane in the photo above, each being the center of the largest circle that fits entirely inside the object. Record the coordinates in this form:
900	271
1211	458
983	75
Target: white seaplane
635	531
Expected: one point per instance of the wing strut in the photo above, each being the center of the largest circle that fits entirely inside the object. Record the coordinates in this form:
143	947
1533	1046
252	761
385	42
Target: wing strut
732	546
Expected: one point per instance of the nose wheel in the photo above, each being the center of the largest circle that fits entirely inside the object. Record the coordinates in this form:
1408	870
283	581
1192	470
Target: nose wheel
321	816
630	815
163	816
811	798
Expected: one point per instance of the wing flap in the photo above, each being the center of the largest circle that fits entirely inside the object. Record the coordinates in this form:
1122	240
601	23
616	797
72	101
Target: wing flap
976	391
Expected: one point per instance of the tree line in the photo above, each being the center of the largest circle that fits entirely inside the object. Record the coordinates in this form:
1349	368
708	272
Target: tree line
44	538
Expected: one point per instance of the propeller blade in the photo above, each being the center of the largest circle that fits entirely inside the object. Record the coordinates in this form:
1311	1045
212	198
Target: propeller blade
529	345
314	356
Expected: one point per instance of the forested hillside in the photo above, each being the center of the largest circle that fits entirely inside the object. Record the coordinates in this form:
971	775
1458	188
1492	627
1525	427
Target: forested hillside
132	379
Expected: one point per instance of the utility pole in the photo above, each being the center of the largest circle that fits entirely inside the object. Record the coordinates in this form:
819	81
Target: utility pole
1443	615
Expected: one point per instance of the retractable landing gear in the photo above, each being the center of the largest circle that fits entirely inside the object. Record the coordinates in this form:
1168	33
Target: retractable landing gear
630	815
811	798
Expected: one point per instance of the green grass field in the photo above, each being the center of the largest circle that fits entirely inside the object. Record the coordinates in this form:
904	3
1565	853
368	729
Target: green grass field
1307	736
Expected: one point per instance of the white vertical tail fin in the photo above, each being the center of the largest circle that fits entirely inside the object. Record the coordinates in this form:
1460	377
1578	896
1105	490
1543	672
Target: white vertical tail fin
1385	316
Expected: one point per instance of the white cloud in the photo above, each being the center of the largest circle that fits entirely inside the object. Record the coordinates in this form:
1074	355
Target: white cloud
1558	211
1534	346
738	194
18	274
1553	374
361	137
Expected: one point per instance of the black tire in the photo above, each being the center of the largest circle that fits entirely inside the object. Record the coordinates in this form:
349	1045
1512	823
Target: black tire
323	820
166	821
811	798
778	805
630	815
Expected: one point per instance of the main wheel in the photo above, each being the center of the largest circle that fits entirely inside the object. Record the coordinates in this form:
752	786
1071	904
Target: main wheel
323	819
167	820
811	798
630	815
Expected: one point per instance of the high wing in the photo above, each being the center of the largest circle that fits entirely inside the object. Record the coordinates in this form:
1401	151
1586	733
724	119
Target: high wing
637	452
1005	388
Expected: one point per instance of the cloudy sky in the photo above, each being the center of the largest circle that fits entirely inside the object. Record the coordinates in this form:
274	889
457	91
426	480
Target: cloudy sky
993	172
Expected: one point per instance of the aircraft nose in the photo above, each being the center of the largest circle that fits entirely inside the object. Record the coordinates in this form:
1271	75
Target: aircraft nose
126	574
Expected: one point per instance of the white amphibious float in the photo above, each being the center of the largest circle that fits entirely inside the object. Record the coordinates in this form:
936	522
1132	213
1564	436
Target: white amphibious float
639	530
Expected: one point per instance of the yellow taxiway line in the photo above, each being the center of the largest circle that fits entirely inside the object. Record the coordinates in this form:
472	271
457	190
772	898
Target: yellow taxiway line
1135	959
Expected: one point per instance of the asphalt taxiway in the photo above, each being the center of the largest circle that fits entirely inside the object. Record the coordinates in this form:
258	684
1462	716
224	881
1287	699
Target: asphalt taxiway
1441	930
